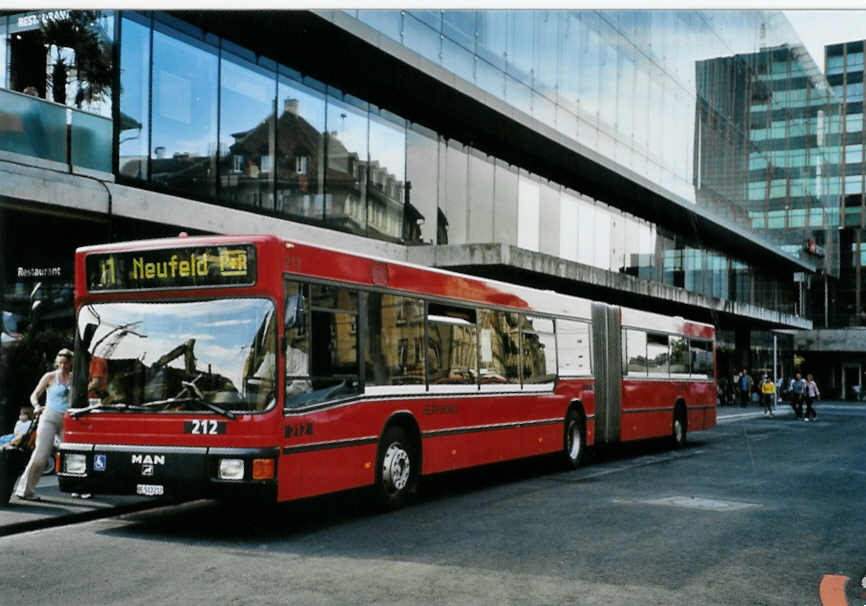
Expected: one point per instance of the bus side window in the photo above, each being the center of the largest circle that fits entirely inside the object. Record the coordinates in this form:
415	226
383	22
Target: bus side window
451	345
702	358
539	350
634	353
334	339
657	354
572	342
679	356
297	344
394	352
499	341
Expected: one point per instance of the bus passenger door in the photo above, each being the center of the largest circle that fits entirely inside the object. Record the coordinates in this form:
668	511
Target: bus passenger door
607	370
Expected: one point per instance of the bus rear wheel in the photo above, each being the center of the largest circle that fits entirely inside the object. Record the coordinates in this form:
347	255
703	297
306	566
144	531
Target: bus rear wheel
574	442
678	435
396	468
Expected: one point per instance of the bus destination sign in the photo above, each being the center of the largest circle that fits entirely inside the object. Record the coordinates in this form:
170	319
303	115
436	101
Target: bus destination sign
172	268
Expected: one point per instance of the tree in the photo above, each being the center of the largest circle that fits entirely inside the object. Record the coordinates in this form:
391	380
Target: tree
81	33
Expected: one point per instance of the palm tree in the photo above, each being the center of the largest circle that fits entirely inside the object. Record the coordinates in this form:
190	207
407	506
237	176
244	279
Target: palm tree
92	51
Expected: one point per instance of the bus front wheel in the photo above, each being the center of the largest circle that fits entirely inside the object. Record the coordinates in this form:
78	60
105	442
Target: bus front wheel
396	468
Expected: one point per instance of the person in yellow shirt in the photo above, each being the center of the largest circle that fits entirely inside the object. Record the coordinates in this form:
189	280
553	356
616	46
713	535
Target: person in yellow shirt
768	394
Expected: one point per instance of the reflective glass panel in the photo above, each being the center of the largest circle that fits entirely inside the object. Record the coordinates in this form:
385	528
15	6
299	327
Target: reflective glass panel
246	134
549	220
395	340
421	38
422	176
345	183
701	358
386	179
451	350
134	99
538	354
573	342
499	347
183	148
459	26
679	366
529	213
300	150
635	352
453	208
481	196
506	201
657	355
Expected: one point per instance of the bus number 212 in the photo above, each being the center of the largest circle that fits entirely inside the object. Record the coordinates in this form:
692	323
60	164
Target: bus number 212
204	427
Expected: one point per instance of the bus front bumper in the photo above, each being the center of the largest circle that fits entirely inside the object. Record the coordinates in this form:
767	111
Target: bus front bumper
168	471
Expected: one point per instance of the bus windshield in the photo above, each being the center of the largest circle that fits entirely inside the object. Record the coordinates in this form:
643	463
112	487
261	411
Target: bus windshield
215	355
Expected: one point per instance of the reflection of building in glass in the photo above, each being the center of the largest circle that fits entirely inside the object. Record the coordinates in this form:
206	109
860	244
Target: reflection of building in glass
763	150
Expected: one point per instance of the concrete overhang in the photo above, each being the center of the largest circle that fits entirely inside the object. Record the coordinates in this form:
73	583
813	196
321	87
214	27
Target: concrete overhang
828	340
538	270
389	75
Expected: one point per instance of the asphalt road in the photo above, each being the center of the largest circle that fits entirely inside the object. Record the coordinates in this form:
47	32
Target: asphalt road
755	511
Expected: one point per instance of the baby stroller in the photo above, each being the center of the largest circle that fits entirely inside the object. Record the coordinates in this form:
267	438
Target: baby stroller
13	459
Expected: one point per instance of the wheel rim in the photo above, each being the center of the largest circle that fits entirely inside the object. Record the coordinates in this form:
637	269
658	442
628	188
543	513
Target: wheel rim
574	443
396	468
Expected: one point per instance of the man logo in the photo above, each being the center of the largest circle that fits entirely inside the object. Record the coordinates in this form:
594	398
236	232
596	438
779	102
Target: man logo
147	470
138	459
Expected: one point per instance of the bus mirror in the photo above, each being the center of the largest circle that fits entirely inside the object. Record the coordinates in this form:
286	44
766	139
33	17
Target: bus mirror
294	312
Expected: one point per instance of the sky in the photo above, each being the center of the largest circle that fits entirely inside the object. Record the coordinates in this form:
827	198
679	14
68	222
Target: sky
817	28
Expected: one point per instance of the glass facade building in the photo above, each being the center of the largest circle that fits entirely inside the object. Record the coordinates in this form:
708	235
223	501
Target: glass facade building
319	154
844	68
678	152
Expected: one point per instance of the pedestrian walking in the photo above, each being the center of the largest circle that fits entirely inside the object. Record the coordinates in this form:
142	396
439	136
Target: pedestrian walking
768	394
811	394
745	383
798	386
55	384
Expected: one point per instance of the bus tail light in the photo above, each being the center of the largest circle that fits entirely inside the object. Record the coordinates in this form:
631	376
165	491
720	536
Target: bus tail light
263	469
231	469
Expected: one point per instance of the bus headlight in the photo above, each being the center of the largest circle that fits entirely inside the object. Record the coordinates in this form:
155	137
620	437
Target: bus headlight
75	463
231	469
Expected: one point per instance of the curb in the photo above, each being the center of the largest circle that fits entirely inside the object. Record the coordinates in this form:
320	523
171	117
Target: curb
77	518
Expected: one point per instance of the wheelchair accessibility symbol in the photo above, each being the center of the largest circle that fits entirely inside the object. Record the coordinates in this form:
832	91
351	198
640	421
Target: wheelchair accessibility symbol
99	462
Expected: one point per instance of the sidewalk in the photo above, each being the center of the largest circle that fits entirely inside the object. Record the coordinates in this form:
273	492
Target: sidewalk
56	508
730	414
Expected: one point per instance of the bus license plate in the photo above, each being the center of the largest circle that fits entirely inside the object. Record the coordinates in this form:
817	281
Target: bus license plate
150	490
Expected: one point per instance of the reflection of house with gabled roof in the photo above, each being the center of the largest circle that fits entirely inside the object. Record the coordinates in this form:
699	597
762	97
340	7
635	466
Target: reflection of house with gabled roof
361	197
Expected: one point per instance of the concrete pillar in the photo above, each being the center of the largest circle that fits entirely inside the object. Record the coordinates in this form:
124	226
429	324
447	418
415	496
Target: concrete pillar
743	347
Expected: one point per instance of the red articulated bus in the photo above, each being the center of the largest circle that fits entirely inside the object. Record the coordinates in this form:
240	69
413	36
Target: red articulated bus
232	366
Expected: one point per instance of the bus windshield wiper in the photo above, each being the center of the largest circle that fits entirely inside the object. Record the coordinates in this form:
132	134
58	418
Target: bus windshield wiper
191	400
77	412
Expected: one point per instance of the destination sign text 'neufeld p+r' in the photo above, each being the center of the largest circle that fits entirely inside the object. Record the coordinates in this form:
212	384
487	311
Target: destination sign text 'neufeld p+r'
172	268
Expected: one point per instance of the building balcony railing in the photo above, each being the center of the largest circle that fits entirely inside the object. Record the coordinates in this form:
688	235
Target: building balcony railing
50	135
